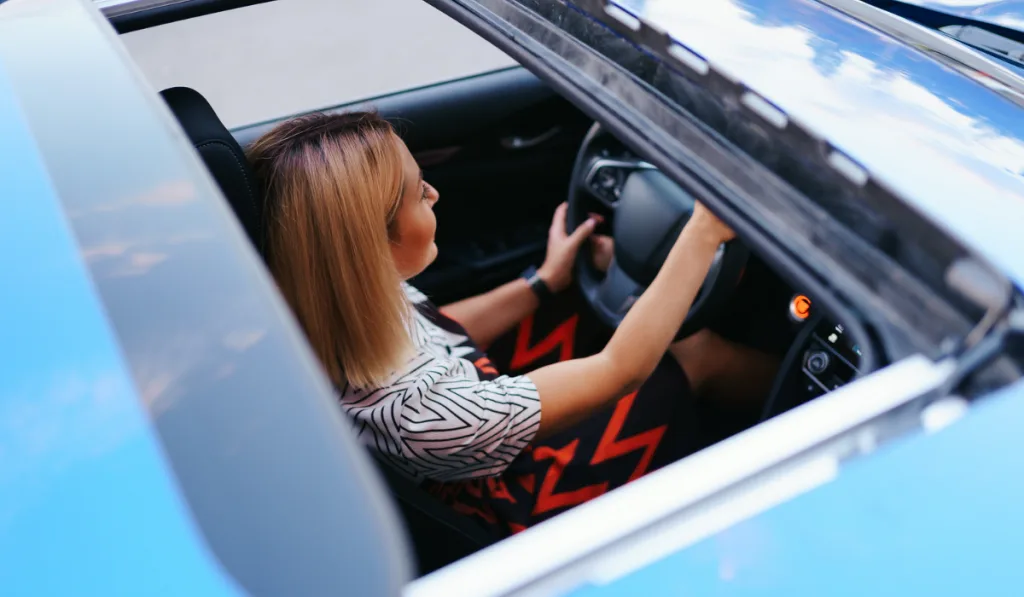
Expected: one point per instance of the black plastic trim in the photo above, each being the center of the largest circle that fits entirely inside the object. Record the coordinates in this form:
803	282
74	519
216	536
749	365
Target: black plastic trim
125	22
935	18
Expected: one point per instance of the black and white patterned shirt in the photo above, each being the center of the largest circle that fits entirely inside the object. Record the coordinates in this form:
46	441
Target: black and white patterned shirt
447	414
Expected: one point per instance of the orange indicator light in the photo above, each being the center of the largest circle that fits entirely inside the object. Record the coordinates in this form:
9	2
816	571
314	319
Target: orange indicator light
800	307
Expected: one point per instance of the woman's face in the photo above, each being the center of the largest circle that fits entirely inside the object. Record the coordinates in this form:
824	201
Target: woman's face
412	233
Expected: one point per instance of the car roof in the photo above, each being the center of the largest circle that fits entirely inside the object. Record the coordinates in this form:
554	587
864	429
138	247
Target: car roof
943	141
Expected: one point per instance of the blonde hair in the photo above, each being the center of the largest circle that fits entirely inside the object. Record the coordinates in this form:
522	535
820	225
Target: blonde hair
333	186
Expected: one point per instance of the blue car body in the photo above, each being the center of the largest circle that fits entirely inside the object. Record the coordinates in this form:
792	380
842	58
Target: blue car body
933	514
157	398
85	485
101	187
931	134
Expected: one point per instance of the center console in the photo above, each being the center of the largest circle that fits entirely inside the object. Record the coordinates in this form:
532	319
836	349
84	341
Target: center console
823	358
829	360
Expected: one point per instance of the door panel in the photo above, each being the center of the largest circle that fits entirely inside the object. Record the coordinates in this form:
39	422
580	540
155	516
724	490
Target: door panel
500	152
498	193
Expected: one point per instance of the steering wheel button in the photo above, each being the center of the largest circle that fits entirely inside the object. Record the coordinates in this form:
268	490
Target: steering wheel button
645	211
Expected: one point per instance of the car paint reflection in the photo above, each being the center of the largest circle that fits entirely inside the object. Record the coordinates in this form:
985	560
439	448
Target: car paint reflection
950	146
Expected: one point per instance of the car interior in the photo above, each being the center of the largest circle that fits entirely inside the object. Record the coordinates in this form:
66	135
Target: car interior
504	150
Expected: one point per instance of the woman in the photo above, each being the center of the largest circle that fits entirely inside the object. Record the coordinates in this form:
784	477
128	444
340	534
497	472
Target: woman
350	218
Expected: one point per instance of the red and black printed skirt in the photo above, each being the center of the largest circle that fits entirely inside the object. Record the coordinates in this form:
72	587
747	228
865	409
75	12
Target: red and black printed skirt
643	431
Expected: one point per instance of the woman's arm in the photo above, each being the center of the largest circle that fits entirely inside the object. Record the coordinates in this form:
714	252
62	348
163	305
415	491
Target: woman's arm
489	315
572	390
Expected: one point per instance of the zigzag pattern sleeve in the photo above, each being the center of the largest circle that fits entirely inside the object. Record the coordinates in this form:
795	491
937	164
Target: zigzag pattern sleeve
438	420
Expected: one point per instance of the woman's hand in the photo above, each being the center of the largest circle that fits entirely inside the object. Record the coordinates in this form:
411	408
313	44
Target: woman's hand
572	390
562	248
708	223
602	249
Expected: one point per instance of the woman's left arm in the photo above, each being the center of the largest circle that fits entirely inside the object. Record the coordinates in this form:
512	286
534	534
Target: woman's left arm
489	315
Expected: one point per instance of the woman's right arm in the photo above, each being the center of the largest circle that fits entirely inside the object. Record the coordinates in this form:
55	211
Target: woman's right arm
571	390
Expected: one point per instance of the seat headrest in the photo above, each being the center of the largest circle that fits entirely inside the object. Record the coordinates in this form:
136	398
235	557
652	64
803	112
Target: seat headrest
223	156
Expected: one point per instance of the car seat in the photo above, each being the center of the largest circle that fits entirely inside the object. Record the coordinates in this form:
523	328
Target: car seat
439	535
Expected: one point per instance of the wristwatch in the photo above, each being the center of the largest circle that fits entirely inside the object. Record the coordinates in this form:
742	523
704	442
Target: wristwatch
537	285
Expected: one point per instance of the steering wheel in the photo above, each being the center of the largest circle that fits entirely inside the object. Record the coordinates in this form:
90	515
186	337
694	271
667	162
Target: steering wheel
647	211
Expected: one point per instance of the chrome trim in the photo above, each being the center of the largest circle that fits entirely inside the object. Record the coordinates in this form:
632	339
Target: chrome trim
687	487
516	142
941	46
624	164
599	163
793	479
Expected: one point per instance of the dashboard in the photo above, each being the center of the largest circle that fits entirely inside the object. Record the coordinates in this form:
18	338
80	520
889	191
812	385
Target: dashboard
820	354
823	358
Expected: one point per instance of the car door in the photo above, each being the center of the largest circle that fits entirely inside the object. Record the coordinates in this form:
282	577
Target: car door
500	178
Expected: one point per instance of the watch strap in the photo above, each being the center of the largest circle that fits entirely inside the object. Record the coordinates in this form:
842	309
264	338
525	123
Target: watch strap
537	284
